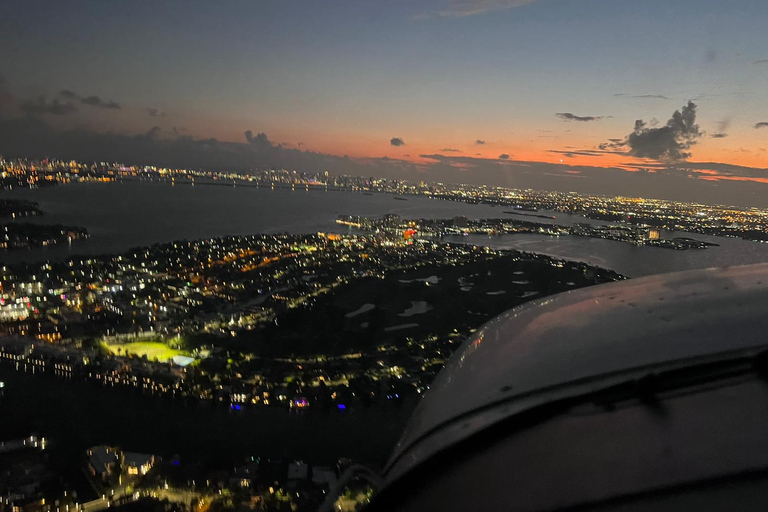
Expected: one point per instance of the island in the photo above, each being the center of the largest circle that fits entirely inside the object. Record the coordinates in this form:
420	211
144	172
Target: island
15	208
24	235
284	320
15	236
393	225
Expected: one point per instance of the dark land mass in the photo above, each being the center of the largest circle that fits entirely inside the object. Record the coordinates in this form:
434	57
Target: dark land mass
25	236
498	226
681	224
531	215
18	208
682	242
15	235
464	297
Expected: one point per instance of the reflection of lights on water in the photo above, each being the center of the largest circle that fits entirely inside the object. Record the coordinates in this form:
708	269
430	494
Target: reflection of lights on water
342	407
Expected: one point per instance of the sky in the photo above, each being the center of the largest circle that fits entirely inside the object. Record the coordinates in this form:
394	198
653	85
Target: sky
522	93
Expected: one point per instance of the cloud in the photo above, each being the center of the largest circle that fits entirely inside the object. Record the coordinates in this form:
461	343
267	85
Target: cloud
761	61
155	112
451	150
762	124
722	129
567	116
92	101
260	141
503	156
461	8
642	96
41	106
154	132
95	101
669	142
479	142
580	152
397	141
33	137
717	183
711	171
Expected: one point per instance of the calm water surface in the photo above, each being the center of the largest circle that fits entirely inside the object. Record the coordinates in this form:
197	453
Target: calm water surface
129	214
80	414
629	259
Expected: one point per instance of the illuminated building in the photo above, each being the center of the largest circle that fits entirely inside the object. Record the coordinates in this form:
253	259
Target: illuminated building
138	463
391	220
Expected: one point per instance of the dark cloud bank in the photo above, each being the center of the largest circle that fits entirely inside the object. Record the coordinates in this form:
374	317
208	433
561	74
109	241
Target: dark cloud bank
41	106
32	136
61	107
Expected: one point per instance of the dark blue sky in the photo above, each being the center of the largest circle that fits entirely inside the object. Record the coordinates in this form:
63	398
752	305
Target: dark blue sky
345	77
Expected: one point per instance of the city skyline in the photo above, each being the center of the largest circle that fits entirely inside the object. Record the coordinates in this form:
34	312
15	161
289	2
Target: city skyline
530	94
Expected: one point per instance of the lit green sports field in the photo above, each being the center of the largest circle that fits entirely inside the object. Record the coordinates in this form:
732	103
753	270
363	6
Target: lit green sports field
152	350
